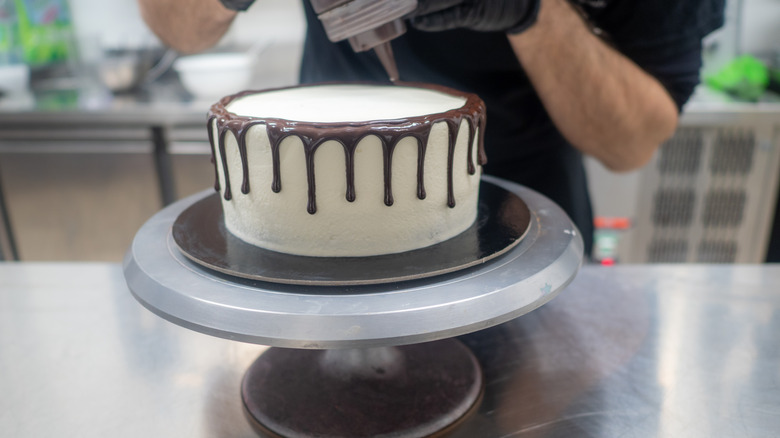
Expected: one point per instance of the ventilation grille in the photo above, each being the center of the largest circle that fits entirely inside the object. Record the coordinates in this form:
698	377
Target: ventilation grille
682	153
723	208
700	203
712	251
673	207
667	251
732	152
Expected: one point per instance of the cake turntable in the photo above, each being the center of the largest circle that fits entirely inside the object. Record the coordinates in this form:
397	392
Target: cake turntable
360	358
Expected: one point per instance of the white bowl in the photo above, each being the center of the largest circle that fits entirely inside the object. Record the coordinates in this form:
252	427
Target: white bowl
215	75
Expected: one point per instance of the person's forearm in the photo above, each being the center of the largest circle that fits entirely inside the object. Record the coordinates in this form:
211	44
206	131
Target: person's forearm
603	103
188	26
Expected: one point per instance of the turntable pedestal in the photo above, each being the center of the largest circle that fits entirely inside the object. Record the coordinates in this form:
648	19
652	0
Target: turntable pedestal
412	391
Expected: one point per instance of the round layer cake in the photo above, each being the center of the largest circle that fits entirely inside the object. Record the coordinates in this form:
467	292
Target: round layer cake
348	170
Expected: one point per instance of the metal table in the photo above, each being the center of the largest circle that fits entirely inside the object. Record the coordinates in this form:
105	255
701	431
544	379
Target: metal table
623	351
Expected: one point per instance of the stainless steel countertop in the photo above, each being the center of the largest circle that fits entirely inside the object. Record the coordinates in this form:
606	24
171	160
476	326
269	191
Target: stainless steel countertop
104	110
627	351
164	102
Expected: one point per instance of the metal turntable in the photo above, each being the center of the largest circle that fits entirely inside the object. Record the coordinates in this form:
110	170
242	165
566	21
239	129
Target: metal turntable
360	350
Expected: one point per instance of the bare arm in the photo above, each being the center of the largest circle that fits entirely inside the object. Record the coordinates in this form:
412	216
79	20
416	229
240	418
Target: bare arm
603	103
188	26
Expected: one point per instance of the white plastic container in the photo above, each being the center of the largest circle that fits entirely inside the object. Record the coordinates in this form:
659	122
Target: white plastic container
215	75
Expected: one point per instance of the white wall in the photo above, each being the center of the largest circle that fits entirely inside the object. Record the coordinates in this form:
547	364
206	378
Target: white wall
110	24
760	31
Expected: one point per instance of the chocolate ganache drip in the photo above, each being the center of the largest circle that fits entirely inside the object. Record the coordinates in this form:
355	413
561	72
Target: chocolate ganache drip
349	135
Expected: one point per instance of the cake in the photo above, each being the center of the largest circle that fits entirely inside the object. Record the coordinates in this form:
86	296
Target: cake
348	170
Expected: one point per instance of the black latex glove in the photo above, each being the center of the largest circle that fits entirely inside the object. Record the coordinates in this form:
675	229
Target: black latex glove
510	16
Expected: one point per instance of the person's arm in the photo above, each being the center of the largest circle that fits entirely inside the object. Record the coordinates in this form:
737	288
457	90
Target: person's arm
603	103
187	26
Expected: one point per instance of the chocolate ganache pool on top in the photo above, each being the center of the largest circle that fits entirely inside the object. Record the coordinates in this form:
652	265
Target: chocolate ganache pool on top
342	170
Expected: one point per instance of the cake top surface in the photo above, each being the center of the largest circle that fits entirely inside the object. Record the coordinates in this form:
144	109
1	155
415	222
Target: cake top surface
333	103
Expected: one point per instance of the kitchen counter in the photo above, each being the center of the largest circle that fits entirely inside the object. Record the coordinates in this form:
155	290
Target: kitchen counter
84	99
673	351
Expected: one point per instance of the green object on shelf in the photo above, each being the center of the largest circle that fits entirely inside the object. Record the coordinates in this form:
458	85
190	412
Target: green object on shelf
45	31
745	77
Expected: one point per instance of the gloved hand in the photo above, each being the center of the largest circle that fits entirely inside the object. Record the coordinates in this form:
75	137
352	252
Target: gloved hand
510	16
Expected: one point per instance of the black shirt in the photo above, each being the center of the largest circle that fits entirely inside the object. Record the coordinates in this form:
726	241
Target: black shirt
522	144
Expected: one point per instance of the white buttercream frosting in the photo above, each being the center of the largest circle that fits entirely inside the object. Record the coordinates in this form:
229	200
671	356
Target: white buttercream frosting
345	103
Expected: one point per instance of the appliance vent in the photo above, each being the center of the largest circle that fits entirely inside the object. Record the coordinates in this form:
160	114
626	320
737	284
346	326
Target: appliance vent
732	151
681	154
667	251
723	208
714	251
673	207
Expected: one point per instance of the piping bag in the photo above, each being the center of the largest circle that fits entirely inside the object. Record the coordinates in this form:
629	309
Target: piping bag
367	25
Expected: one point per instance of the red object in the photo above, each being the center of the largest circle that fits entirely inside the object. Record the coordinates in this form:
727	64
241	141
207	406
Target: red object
615	223
608	261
